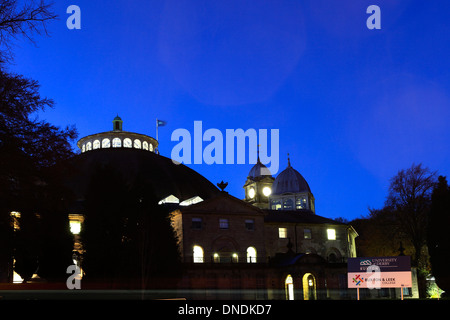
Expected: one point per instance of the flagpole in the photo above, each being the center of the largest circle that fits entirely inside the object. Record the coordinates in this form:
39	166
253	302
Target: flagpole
157	141
156	129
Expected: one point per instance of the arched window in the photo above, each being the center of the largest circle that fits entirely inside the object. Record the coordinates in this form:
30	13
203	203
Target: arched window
289	286
309	287
137	144
145	145
251	255
288	204
117	143
83	148
198	254
96	144
127	143
106	143
150	147
88	146
300	203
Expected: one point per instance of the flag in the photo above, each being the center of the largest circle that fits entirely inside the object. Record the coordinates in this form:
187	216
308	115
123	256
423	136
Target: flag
160	123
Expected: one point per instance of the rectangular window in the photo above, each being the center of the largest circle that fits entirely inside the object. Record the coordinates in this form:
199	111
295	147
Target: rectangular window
196	223
282	233
331	234
250	224
223	223
307	234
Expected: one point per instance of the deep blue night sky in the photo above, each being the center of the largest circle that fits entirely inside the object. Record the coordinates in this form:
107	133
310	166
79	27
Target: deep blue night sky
352	105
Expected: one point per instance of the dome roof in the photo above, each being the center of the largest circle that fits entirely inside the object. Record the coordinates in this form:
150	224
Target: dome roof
289	181
259	170
165	177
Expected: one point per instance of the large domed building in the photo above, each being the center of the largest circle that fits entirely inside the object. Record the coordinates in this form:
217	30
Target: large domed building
135	156
269	245
288	191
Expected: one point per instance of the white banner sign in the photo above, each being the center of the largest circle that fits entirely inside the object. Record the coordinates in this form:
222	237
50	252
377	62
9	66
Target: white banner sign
379	272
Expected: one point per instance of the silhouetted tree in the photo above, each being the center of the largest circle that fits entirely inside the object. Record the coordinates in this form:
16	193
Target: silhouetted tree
153	239
409	199
438	236
29	150
103	229
21	18
128	238
379	234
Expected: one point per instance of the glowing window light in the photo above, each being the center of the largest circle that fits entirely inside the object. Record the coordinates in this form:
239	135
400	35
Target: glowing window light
289	285
117	143
127	143
106	143
331	234
75	227
251	255
198	254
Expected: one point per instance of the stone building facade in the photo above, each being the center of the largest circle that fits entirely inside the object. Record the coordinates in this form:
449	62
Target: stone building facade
269	245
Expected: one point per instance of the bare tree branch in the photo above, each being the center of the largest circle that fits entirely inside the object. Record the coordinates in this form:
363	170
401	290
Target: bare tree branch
27	21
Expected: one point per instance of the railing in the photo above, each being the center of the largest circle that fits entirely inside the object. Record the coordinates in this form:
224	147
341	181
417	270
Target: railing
215	259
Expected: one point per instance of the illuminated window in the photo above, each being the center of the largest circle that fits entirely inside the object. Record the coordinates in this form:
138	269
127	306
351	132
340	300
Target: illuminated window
169	199
198	254
96	144
116	143
15	220
75	222
191	201
137	144
16	277
300	203
289	286
75	227
83	149
106	143
309	287
276	204
150	147
282	233
88	146
331	234
145	145
288	204
223	224
251	255
127	143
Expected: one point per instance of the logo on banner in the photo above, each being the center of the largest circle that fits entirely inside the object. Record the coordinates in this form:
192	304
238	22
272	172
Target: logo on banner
358	280
365	262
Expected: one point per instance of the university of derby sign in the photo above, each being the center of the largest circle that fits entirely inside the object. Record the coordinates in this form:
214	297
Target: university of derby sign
379	272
